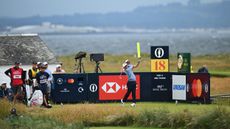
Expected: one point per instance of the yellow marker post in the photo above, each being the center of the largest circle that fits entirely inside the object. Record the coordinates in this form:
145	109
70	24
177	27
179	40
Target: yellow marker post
138	50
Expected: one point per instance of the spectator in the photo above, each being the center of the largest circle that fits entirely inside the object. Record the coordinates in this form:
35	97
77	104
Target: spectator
59	69
32	75
42	80
39	65
203	69
50	79
17	79
6	93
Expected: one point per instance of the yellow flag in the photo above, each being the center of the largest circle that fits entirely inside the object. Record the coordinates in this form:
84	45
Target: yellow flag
138	50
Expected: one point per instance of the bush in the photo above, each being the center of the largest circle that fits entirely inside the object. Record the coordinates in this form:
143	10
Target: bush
5	108
125	119
27	122
154	118
180	119
219	118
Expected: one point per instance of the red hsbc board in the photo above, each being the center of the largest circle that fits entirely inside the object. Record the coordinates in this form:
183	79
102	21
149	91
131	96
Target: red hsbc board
114	87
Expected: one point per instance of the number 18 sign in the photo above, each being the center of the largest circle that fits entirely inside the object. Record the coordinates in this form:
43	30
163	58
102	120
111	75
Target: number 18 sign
159	58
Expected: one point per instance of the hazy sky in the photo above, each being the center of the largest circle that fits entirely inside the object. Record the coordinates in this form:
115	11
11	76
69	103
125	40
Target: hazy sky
24	8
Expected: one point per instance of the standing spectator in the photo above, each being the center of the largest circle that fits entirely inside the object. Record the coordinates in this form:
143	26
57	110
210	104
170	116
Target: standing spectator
17	79
50	79
131	84
32	75
42	80
39	65
6	93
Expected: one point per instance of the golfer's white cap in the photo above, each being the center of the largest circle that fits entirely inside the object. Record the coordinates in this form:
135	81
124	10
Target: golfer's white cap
126	61
124	64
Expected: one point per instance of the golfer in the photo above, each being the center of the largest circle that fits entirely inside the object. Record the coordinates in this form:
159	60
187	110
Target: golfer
127	67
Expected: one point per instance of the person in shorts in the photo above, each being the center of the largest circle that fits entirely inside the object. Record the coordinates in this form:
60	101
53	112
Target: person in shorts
42	80
17	80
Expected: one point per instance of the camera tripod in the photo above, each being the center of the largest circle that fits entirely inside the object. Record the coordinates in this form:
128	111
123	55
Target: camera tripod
80	66
97	67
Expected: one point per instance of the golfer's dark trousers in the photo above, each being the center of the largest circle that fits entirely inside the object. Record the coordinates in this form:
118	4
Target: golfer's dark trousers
131	89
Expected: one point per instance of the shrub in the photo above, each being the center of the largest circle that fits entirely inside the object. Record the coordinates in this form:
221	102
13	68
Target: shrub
154	118
219	118
27	122
180	119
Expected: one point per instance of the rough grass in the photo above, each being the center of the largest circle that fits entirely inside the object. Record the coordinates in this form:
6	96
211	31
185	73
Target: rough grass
108	127
161	115
220	85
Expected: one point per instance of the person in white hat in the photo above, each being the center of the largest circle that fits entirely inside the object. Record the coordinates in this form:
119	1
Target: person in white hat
131	84
59	70
50	79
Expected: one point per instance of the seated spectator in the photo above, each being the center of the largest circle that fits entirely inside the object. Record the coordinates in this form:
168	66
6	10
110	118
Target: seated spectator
203	69
59	70
6	93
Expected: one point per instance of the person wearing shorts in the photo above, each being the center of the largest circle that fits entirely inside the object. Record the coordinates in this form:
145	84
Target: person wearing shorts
17	79
42	80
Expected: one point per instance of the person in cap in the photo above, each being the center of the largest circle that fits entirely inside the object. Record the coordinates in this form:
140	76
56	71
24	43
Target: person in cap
32	75
42	80
59	70
6	93
127	67
39	65
17	77
203	69
50	79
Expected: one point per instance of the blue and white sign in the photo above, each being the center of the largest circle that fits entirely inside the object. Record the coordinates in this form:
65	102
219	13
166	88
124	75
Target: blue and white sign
178	87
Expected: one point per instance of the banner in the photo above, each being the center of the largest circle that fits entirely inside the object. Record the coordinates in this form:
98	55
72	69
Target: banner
114	87
198	87
178	87
183	62
69	88
161	87
159	59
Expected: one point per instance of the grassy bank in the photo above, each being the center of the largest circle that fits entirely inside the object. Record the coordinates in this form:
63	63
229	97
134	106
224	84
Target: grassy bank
218	65
155	115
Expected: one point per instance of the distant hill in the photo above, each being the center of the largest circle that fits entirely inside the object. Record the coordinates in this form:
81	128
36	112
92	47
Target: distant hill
175	15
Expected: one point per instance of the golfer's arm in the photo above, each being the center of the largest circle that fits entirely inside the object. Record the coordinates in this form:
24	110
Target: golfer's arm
137	65
121	71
